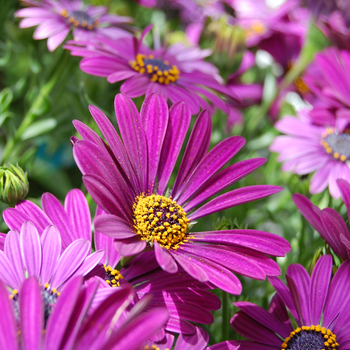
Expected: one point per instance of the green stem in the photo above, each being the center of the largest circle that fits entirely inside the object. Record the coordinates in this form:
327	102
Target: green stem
225	316
31	115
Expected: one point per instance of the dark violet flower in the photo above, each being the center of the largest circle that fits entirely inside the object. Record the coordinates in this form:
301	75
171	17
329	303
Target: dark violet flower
178	73
56	18
308	148
319	307
72	324
128	181
327	222
29	254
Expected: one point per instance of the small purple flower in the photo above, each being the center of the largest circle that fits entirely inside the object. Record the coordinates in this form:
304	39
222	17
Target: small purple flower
308	148
29	254
177	72
129	181
319	307
56	18
327	222
71	322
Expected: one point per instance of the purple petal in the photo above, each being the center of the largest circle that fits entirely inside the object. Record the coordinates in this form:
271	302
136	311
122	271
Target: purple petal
319	287
31	310
51	247
31	249
226	345
101	66
164	258
344	188
114	226
199	340
7	272
8	326
121	75
234	198
133	136
13	253
196	148
78	211
130	246
154	117
48	28
70	261
89	263
179	93
296	299
209	165
179	121
135	86
222	180
54	41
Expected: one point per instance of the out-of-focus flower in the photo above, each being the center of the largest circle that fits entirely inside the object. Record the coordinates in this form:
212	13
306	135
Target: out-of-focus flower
177	72
129	181
248	94
327	222
71	322
56	18
318	305
308	148
14	185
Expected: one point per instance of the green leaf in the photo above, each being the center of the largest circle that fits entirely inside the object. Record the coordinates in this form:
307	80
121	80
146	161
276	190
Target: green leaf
39	128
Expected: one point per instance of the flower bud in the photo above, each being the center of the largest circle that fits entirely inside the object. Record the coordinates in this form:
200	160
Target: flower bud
14	184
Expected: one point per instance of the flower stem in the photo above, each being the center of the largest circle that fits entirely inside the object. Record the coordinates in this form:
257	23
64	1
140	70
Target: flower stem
31	115
225	316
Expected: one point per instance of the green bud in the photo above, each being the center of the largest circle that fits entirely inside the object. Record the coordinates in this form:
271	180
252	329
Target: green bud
14	184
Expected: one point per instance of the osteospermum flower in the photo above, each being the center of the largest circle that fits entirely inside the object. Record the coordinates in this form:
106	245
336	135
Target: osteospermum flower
319	306
128	181
308	148
327	222
56	18
177	73
29	254
72	323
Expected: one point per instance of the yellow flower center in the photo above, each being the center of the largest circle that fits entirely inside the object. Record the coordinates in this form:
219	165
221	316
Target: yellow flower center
255	28
337	145
301	86
112	276
162	219
311	337
80	19
156	69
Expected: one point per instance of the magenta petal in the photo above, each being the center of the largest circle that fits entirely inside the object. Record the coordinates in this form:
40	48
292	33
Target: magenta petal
31	314
344	188
233	198
121	75
56	40
7	272
13	253
154	117
78	211
320	279
179	121
132	131
135	86
196	148
209	165
31	249
8	326
199	340
229	345
113	226
89	263
164	258
51	248
70	261
130	246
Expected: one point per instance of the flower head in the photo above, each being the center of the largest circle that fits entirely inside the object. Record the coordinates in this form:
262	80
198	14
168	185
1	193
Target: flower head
56	18
327	222
128	180
178	73
318	305
308	148
114	324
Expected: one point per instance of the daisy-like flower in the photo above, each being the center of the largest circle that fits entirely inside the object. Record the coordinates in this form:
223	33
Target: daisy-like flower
128	181
56	18
327	222
29	254
72	324
177	73
308	148
318	305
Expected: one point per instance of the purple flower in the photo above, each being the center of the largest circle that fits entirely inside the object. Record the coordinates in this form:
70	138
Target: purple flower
177	72
318	305
29	254
308	148
327	222
71	323
56	18
128	181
